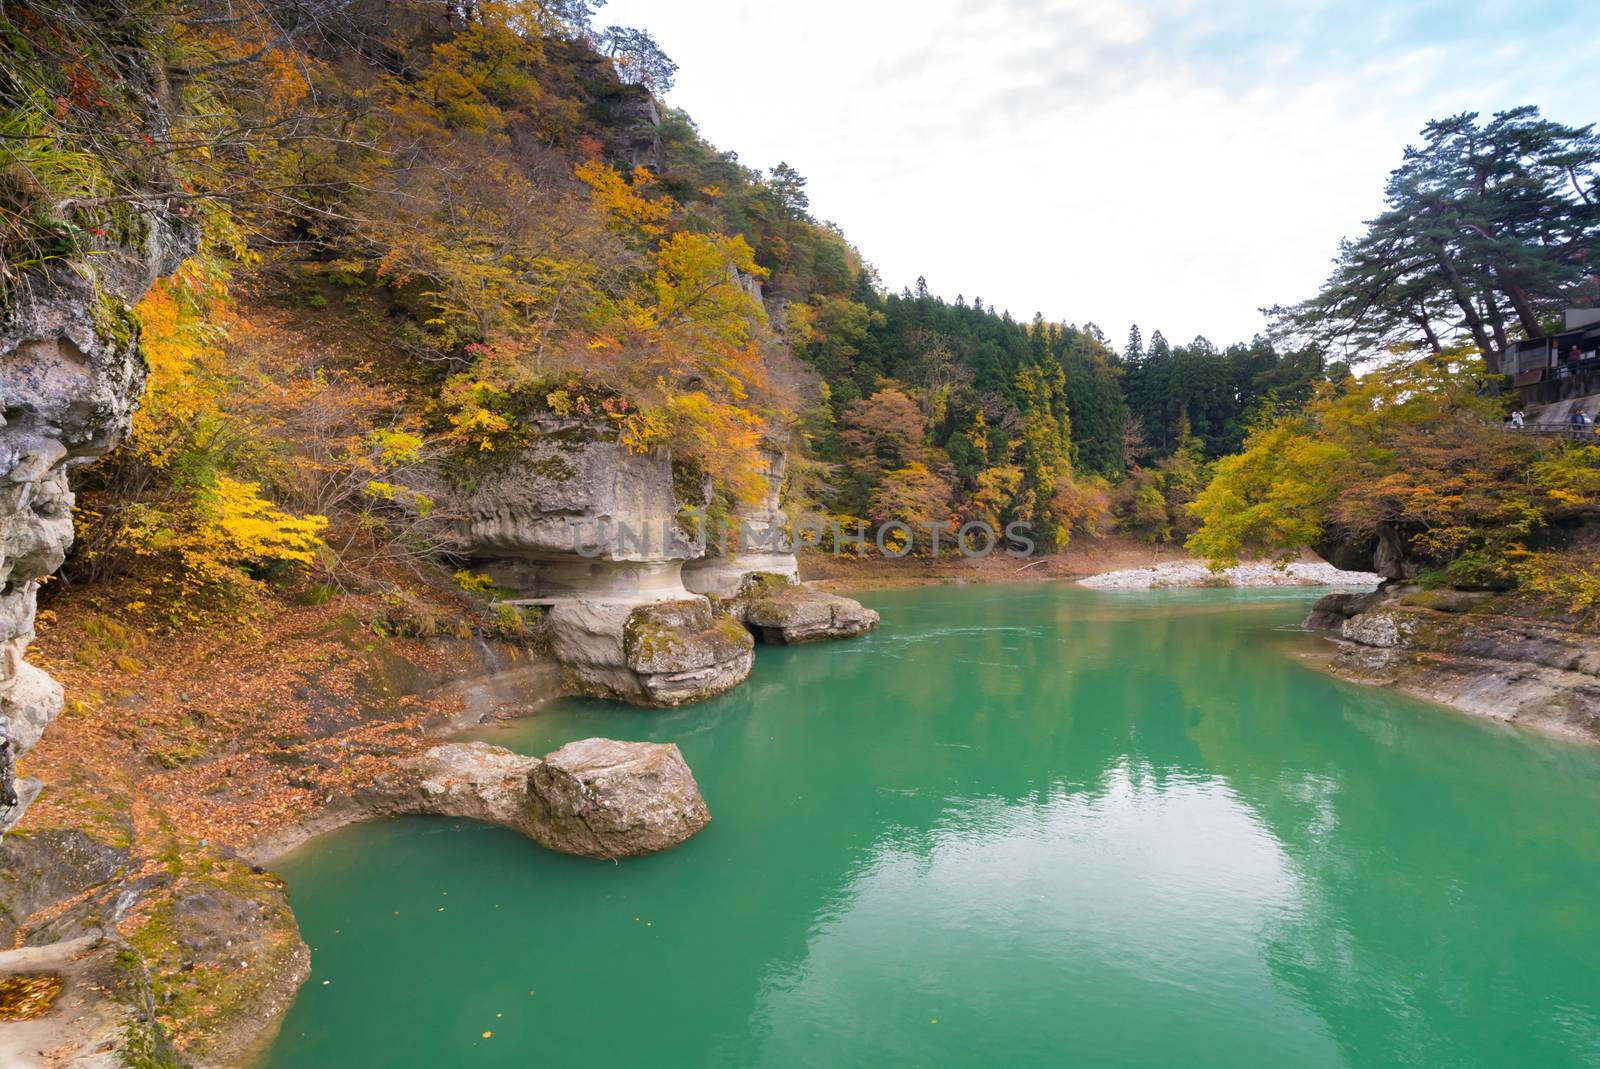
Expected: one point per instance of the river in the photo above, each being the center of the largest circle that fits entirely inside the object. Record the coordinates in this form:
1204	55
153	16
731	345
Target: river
1018	826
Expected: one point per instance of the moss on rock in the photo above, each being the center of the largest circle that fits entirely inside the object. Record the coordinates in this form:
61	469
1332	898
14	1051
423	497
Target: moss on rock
223	953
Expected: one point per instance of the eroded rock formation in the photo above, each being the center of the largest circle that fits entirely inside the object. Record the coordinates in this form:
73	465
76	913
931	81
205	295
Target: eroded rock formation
757	542
573	514
794	614
593	533
594	798
658	653
70	377
1467	649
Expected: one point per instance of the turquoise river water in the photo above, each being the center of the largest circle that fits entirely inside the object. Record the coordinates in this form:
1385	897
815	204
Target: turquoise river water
1018	826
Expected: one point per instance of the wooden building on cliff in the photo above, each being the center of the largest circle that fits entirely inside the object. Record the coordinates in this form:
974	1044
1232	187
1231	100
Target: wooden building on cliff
1559	367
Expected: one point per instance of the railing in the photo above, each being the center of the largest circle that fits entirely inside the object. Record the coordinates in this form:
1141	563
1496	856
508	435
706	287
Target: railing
1559	369
1584	433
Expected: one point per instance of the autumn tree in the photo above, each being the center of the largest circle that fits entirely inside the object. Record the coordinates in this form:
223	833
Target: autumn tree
1411	451
886	428
913	495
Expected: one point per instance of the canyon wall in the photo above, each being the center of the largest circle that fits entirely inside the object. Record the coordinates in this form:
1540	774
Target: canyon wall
70	377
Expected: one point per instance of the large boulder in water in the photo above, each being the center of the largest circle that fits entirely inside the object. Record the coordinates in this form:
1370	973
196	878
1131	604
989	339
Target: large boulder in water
473	780
595	798
789	615
603	798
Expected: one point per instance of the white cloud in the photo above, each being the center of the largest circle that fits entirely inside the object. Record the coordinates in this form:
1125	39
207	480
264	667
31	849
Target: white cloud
1175	163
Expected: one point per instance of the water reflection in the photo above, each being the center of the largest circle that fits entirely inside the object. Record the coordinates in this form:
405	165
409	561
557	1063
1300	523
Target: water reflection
1065	825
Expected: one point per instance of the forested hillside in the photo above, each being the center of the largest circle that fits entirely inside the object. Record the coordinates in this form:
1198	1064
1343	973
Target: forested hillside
420	223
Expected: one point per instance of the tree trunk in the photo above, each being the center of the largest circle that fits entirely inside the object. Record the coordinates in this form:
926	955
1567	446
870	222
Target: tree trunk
1496	320
1421	320
1474	321
1523	304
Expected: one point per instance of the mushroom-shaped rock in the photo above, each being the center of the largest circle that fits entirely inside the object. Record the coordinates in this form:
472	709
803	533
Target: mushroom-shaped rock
595	798
796	614
592	532
603	798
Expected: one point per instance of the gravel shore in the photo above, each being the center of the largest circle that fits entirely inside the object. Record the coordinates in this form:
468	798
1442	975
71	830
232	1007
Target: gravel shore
1195	573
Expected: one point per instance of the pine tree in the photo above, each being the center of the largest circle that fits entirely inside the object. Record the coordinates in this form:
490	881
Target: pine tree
1491	228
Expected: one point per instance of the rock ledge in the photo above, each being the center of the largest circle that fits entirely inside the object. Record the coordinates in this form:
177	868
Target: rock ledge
1454	648
789	615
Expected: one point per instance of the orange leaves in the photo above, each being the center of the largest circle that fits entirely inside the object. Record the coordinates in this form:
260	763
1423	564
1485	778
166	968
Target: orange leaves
705	321
1080	503
285	79
252	40
181	342
888	423
912	495
643	430
480	77
684	343
724	437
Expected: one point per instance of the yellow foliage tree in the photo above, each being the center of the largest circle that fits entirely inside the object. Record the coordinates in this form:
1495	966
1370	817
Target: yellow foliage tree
172	499
243	528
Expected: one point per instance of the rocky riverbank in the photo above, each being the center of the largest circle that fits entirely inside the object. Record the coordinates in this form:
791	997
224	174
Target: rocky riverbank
198	954
176	759
1473	651
187	761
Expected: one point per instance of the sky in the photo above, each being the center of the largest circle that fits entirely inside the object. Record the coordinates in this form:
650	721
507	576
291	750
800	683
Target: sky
1179	164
